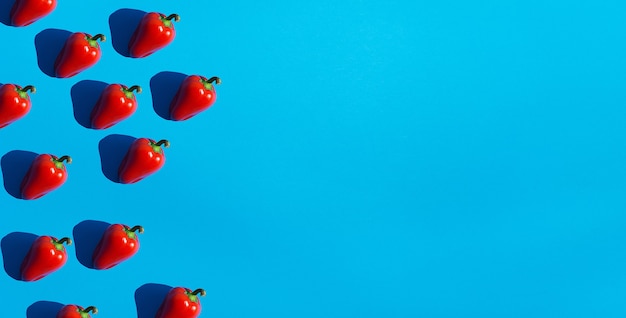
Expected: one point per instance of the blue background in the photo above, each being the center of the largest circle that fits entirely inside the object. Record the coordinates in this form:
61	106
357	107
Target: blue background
363	159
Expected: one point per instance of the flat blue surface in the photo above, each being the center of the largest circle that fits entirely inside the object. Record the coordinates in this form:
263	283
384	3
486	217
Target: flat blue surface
363	159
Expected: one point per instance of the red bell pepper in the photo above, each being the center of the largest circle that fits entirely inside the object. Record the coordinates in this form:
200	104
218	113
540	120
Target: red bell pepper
116	103
46	255
75	311
154	32
195	94
80	52
181	302
14	102
118	243
25	12
143	158
46	173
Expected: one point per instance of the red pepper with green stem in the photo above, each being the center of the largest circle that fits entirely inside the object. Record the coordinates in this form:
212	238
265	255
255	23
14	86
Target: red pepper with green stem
45	174
46	255
14	102
118	243
154	32
80	52
143	158
116	103
195	95
181	302
75	311
26	12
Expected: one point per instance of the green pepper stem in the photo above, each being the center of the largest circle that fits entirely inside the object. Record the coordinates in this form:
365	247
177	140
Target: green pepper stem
93	309
163	142
30	88
136	88
199	291
67	159
137	227
100	37
174	16
65	240
215	80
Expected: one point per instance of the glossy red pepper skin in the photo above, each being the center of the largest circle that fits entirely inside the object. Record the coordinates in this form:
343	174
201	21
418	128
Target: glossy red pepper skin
45	174
25	12
14	103
181	302
154	32
116	103
195	94
46	255
80	52
118	243
143	158
75	311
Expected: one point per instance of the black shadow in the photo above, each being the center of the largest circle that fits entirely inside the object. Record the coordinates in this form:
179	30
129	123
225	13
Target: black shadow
149	297
123	23
85	94
43	309
87	234
14	165
48	44
15	246
5	11
163	87
112	149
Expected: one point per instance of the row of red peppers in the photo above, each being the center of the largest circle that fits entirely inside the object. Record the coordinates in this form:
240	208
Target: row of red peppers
180	302
48	172
154	32
82	50
117	102
47	254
